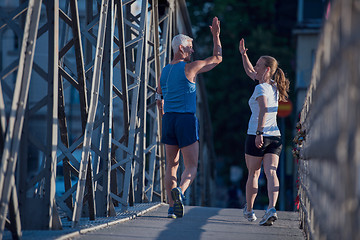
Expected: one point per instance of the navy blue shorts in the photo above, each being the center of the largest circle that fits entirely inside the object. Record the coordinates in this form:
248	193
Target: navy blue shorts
181	129
271	145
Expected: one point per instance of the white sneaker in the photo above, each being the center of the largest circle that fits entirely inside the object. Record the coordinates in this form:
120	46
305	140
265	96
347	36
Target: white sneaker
250	216
269	218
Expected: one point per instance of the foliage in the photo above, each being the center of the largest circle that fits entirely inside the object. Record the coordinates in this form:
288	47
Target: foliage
266	27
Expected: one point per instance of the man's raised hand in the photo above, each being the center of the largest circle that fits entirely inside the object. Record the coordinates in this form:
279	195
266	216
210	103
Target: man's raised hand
215	27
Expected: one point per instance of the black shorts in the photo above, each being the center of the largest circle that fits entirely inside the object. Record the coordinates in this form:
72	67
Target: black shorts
271	145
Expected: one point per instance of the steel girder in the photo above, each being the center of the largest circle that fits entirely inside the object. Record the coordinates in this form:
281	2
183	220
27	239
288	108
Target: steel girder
121	159
16	119
96	118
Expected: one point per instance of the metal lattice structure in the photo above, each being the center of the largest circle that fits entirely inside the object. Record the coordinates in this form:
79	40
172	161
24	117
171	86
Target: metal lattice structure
329	165
101	59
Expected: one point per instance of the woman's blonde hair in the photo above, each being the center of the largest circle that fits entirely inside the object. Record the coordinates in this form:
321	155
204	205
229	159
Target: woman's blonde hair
278	76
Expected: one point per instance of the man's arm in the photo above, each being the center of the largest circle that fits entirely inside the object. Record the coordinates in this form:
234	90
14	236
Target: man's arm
159	100
249	69
200	66
215	59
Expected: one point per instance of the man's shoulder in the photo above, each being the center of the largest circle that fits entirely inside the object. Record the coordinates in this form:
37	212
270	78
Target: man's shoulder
167	66
192	64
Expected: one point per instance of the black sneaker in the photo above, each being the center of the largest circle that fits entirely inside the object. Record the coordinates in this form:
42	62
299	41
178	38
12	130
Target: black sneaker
178	198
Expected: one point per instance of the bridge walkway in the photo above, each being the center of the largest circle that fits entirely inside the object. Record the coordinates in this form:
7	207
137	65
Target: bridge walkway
201	223
149	221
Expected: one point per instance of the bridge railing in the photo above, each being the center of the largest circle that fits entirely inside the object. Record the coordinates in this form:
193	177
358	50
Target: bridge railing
329	164
77	102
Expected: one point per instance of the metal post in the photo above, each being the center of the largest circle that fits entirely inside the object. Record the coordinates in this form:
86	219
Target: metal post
14	128
151	109
85	160
164	59
79	61
103	201
134	104
52	118
118	171
282	167
2	118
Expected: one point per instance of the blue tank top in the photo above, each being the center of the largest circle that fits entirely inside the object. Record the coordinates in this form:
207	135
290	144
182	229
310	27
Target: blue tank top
178	92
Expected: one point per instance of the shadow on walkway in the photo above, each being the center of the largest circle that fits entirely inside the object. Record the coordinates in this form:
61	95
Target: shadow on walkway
190	225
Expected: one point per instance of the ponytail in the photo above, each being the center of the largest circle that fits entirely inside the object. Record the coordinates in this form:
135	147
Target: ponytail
282	84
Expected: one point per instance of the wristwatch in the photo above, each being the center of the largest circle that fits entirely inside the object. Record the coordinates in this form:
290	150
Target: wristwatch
158	96
259	133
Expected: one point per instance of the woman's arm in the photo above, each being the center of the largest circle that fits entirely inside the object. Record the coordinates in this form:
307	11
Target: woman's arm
259	141
249	69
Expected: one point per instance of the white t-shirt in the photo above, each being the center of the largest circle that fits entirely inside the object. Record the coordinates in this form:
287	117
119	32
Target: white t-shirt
272	96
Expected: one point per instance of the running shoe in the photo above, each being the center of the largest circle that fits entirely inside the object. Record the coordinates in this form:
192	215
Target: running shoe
178	198
250	216
269	218
171	213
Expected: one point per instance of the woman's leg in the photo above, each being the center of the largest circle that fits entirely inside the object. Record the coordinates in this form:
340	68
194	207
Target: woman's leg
271	162
254	166
172	164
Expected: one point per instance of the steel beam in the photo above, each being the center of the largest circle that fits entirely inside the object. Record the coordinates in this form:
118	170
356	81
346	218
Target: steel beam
121	163
16	119
53	221
103	195
85	156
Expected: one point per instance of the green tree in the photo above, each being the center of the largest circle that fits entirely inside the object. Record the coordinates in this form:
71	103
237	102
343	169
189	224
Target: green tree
266	27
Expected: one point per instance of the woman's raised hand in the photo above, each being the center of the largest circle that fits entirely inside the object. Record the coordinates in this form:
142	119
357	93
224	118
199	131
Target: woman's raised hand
242	48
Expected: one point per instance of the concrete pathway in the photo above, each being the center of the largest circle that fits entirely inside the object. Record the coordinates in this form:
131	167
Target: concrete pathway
200	223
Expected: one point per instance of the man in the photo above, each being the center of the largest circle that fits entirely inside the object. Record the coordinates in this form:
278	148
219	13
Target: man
179	124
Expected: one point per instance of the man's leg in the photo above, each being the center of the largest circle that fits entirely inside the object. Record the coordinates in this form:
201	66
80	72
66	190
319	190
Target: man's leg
172	164
190	156
254	166
271	162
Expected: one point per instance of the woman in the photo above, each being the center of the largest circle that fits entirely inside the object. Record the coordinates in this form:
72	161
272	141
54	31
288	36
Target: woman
263	141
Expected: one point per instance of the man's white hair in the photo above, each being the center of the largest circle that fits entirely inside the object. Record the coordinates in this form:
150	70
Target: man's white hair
178	40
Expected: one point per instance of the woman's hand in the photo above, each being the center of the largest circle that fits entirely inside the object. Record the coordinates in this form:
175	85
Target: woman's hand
215	27
259	141
242	48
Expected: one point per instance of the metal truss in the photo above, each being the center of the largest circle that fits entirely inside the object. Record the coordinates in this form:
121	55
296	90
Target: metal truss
87	109
12	131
